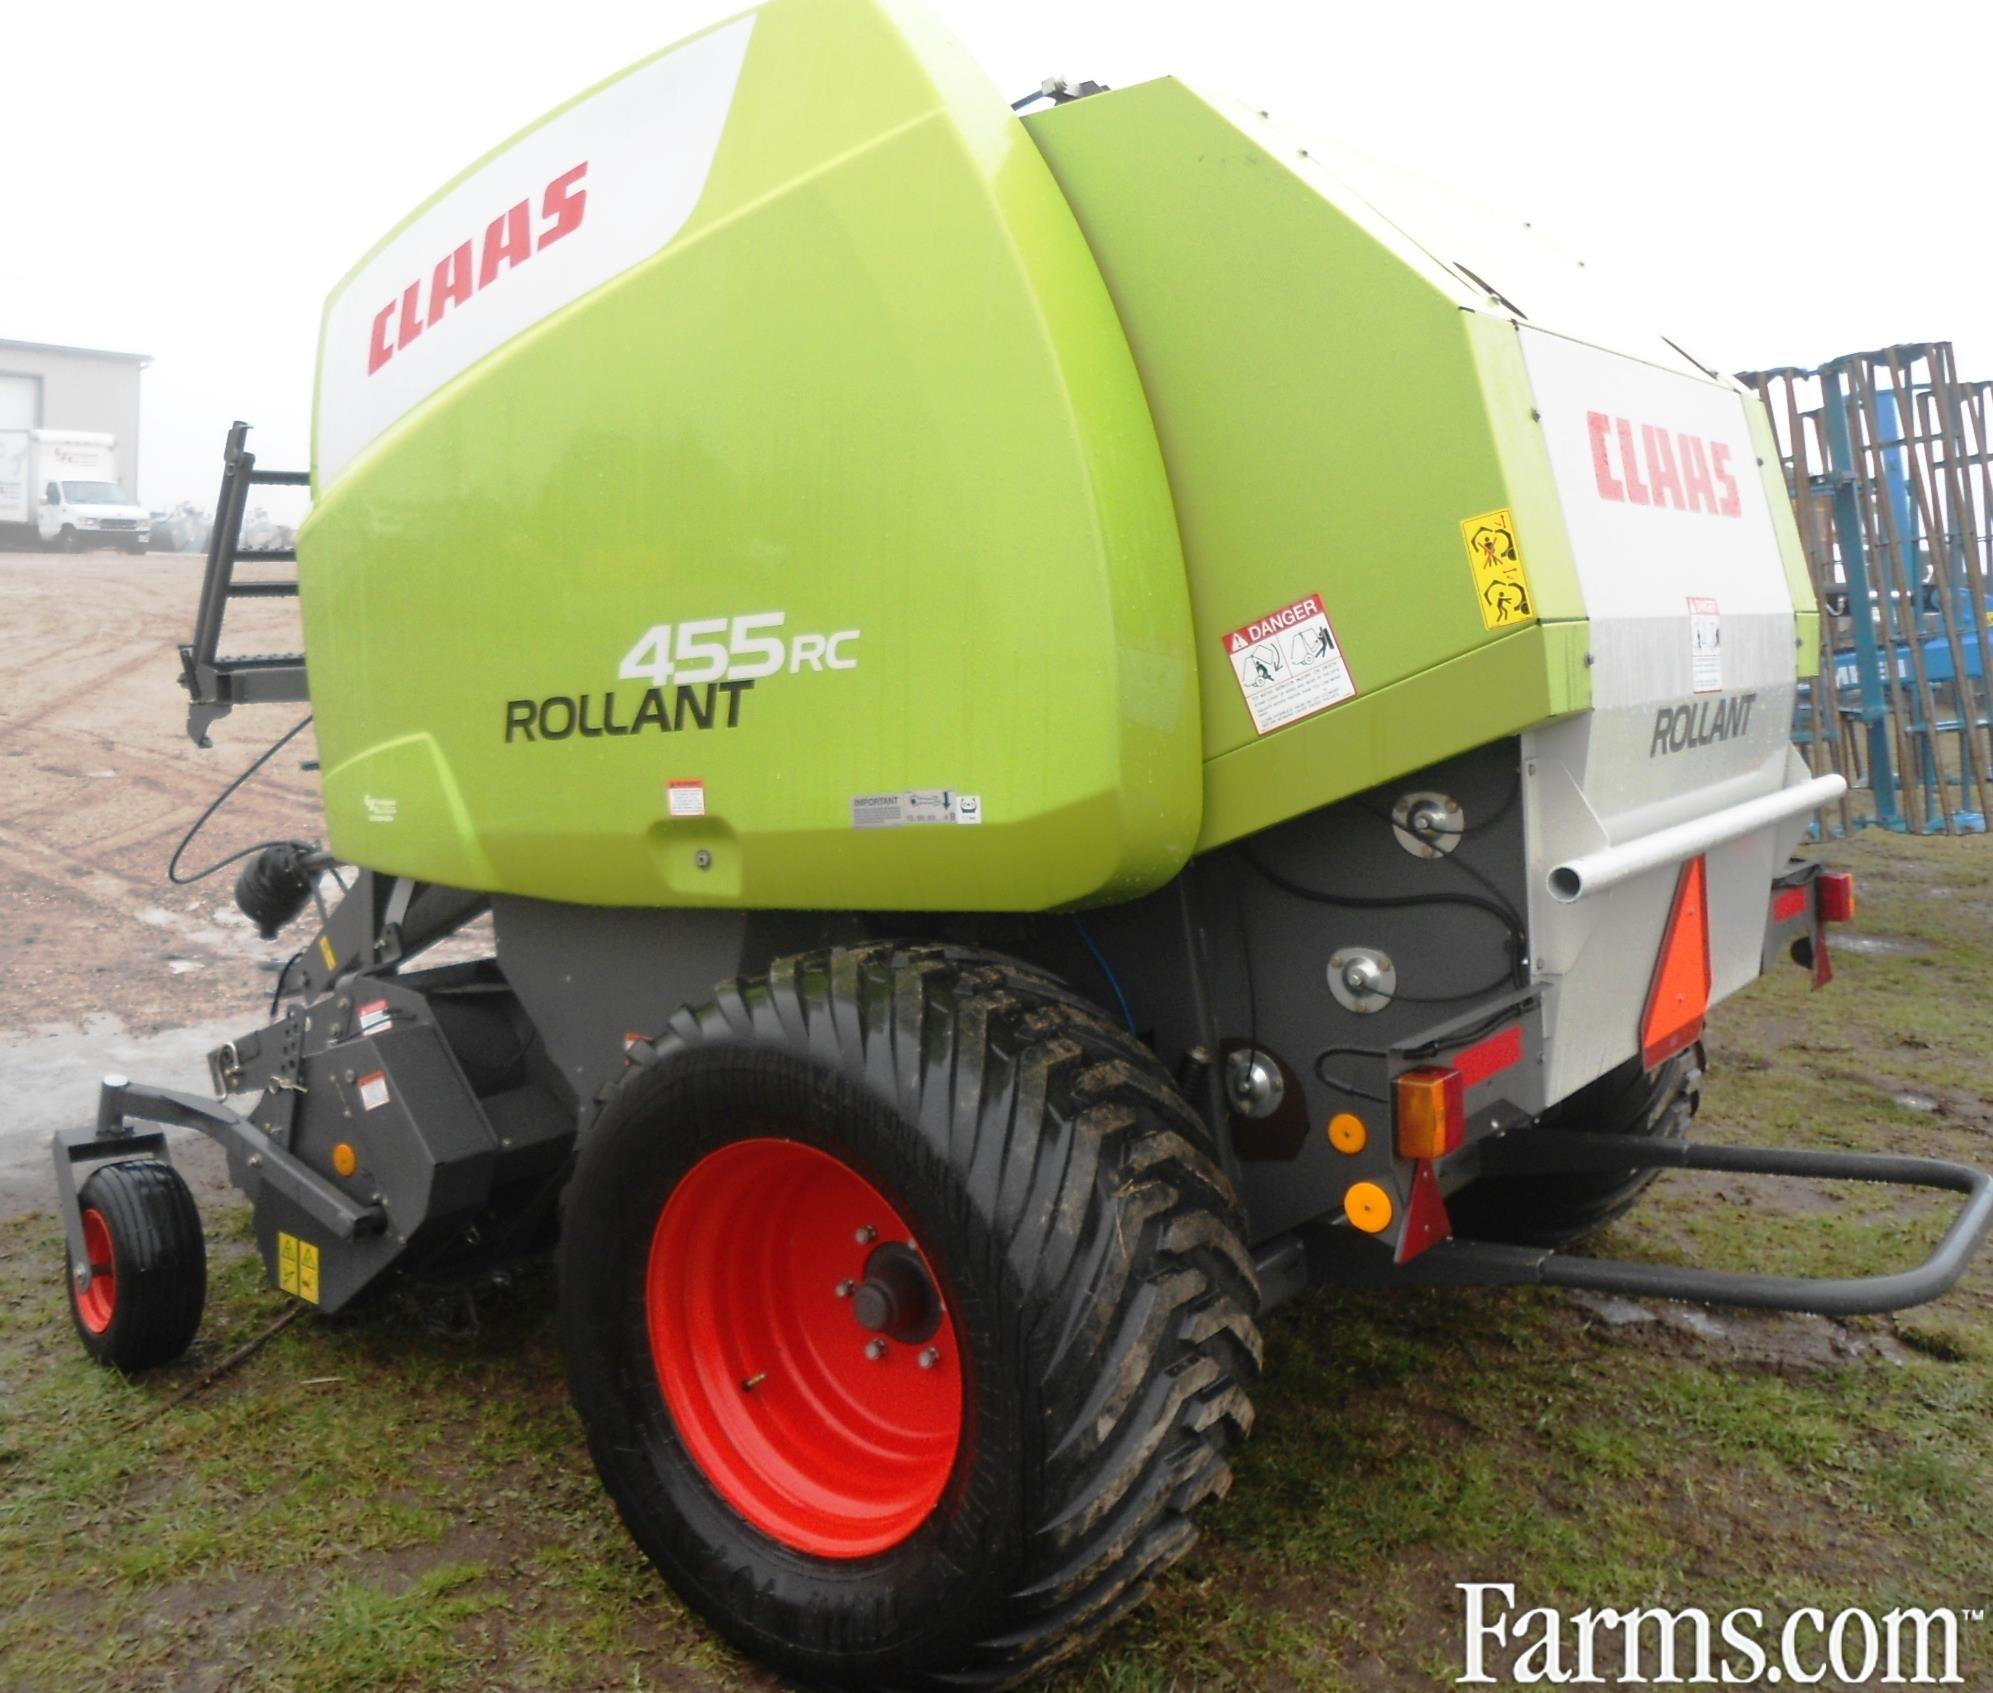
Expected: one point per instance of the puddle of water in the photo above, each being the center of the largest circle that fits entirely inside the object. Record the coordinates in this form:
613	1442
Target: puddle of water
49	1076
1879	946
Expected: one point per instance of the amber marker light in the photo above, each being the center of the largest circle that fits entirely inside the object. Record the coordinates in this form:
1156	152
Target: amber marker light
1432	1113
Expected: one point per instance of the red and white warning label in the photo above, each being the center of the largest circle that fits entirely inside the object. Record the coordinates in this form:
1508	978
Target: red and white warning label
374	1014
685	798
1289	665
374	1090
1705	644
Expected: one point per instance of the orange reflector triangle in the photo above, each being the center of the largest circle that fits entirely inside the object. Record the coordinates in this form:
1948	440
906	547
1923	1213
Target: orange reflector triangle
1679	998
1426	1221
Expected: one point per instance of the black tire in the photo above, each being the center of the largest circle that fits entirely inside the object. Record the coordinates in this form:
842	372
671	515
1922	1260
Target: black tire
68	541
1655	1104
1089	1256
159	1264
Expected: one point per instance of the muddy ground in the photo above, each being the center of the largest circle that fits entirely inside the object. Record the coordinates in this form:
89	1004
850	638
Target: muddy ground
399	1498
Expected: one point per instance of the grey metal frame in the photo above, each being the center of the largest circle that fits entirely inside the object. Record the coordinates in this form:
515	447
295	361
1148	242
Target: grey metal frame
1228	958
1551	1152
216	685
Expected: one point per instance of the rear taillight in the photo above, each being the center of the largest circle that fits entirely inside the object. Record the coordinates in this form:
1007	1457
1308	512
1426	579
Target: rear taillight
1432	1113
1837	896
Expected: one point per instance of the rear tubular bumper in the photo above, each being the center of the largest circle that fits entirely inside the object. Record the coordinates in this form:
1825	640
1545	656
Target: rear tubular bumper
1526	1152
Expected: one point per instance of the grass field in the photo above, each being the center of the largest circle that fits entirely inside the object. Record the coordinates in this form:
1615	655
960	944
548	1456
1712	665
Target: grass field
401	1499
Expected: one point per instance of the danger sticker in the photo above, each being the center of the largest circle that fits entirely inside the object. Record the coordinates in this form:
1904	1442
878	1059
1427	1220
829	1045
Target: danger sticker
1705	645
915	805
1501	580
297	1266
374	1090
1289	665
686	799
372	1015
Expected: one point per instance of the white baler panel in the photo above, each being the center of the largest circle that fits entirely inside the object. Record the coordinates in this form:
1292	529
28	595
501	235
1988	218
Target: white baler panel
1661	489
597	188
1693	676
1692	630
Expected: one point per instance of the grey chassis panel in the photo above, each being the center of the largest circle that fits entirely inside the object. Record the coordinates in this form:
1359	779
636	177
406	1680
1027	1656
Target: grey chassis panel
1222	955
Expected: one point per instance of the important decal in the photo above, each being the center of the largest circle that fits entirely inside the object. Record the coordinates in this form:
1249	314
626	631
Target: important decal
685	798
1289	665
297	1267
374	1090
1700	723
1501	579
374	1014
915	805
1705	645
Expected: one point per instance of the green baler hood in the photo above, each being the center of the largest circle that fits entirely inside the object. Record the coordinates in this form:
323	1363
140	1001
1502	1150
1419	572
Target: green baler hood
783	478
752	568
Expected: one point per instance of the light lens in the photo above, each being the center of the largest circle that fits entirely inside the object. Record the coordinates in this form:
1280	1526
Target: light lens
1432	1113
1837	896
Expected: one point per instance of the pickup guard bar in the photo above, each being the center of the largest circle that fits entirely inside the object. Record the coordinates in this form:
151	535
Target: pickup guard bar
1524	1152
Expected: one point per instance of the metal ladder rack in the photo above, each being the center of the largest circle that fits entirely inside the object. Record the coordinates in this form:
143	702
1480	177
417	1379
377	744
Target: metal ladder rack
216	685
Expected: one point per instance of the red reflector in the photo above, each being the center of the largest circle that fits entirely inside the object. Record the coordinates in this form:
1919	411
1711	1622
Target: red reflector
1788	903
1837	896
1432	1113
1490	1057
1426	1220
1679	998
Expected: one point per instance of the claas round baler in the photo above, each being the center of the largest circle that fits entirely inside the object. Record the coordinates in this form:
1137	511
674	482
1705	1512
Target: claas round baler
1065	725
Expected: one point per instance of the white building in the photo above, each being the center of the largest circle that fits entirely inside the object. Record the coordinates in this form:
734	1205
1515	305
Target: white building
46	387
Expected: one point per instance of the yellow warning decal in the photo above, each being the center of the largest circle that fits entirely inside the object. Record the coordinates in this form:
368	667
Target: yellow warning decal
297	1267
1501	580
325	951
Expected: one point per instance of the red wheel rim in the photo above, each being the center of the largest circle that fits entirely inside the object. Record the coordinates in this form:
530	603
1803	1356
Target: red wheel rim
99	1300
829	1438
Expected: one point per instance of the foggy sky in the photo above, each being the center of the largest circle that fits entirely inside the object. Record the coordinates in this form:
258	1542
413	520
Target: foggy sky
191	179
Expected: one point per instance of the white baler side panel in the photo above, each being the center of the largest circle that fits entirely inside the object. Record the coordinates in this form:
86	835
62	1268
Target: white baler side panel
1668	739
631	157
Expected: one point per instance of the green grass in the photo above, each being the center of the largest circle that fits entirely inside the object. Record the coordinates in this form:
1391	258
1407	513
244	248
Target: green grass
400	1498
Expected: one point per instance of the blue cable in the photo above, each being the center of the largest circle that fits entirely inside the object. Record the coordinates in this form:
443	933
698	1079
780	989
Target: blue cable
1107	970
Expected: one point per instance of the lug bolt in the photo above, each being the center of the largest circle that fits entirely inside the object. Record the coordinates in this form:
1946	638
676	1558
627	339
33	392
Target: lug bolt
866	1234
875	1350
929	1357
846	1288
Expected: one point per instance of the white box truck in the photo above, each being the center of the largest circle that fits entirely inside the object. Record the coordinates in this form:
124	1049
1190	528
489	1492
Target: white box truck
61	486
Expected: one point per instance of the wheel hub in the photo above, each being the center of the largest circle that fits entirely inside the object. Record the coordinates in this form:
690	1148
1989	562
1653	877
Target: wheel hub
897	1298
